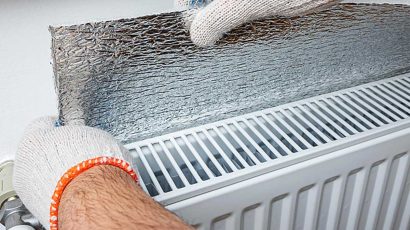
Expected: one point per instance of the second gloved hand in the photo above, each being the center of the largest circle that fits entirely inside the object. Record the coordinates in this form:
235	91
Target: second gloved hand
46	152
221	16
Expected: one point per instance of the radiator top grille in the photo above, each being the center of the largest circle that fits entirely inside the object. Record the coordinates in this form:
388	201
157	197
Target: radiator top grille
189	162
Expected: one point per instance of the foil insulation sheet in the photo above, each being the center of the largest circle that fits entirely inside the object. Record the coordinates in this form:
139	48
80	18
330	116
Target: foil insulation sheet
142	77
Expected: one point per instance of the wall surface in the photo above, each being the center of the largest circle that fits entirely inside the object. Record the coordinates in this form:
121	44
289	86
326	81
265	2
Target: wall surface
26	80
26	84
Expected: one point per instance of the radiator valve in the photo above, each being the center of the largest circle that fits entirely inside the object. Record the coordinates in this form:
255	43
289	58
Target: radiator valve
13	214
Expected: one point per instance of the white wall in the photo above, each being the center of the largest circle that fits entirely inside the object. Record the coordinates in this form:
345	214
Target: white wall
26	80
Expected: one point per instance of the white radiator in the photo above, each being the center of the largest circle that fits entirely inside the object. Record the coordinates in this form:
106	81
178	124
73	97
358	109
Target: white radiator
336	161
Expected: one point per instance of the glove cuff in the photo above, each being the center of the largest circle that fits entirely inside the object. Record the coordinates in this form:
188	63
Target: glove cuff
73	172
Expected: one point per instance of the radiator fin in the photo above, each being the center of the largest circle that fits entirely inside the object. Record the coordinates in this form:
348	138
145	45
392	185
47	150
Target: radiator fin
186	161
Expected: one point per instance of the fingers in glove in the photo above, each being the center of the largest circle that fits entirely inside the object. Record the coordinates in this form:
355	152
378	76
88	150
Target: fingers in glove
221	16
42	124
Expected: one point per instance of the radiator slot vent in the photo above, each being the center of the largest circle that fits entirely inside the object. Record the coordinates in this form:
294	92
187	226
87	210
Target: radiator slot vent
188	159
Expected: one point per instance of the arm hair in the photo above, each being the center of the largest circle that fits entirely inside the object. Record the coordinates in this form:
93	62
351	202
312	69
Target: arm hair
105	197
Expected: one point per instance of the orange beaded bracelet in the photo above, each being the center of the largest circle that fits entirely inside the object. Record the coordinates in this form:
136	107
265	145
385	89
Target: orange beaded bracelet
73	172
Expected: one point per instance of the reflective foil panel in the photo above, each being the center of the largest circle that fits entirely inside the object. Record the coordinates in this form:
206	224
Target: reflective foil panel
142	77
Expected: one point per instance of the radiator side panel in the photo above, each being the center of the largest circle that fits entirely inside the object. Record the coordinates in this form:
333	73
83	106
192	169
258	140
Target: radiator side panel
363	187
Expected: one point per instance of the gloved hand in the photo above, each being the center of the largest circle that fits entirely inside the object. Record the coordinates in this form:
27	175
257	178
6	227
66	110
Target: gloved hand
220	16
46	152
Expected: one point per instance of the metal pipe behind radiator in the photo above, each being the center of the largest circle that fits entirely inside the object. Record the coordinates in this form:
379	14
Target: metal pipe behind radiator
13	214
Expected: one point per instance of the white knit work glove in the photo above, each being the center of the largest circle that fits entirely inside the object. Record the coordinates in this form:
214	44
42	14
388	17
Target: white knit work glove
46	152
220	16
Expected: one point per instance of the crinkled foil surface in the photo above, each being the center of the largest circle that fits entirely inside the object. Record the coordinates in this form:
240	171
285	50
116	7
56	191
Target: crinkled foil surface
142	77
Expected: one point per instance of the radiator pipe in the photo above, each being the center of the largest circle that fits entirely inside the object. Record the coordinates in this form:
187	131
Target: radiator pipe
13	214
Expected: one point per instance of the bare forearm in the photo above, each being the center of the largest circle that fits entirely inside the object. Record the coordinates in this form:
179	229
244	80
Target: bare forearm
105	197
